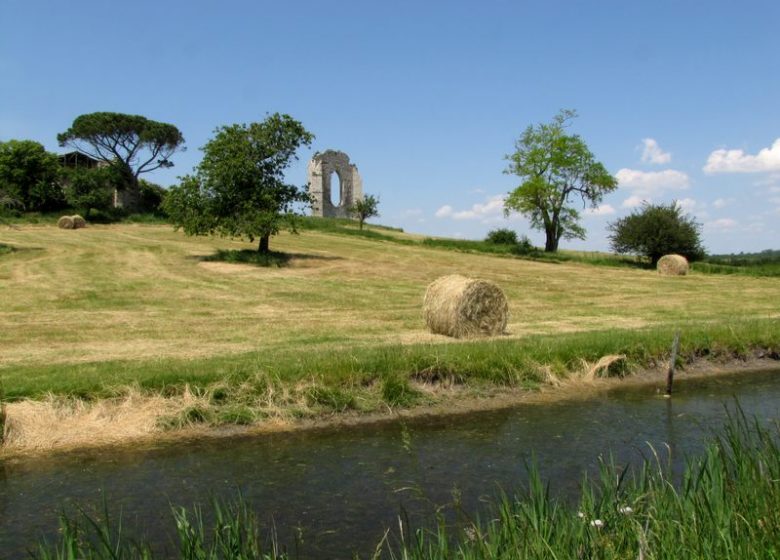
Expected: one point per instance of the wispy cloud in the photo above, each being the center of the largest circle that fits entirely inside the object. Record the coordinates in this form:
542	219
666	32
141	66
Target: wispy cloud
634	201
444	212
652	152
721	224
737	161
492	207
603	210
646	185
722	202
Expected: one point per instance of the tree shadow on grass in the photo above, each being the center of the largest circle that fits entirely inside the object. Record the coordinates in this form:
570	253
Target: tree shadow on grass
272	259
8	249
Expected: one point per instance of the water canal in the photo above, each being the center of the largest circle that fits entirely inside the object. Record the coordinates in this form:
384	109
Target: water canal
340	488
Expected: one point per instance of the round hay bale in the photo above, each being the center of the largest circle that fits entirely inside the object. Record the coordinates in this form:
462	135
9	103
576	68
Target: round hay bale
66	222
78	222
462	307
673	265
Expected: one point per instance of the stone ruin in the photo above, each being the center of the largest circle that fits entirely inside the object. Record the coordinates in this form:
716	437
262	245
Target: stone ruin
321	169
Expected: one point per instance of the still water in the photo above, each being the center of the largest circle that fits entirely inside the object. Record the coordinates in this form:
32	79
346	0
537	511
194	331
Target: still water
339	489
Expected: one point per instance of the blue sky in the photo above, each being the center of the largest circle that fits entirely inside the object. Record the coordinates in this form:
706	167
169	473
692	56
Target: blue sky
678	99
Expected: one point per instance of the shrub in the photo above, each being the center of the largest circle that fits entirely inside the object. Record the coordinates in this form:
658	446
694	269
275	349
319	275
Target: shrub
152	197
524	247
29	176
90	189
656	230
502	236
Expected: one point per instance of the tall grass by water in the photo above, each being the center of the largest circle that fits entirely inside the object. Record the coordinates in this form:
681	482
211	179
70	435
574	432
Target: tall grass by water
724	505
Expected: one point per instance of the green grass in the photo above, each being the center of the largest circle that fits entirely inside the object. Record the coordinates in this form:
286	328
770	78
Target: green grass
233	535
725	505
757	268
91	312
372	378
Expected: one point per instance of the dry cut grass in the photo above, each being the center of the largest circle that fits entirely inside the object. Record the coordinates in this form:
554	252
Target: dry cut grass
137	292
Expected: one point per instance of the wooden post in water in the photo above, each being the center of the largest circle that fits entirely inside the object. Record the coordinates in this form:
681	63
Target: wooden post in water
672	363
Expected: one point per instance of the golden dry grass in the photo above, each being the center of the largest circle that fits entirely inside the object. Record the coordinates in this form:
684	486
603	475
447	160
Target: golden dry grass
140	292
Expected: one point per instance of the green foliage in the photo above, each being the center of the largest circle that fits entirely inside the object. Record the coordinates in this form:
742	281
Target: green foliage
131	143
397	392
555	168
151	198
366	207
238	189
332	398
656	230
90	189
234	534
524	247
29	176
502	236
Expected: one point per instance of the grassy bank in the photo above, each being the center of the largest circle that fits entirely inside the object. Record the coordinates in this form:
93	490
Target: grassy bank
335	326
725	505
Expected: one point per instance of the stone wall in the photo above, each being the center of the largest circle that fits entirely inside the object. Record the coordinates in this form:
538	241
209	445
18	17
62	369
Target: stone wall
321	169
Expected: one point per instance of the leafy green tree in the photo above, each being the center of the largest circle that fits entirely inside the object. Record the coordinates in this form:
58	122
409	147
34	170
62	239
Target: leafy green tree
29	175
152	197
131	143
365	208
555	168
91	189
502	236
656	230
238	190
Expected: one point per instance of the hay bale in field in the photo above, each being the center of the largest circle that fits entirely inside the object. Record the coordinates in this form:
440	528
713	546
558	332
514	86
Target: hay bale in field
66	222
673	265
78	222
462	307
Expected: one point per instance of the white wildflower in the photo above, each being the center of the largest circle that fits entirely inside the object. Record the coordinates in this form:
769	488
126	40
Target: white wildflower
626	510
597	523
581	515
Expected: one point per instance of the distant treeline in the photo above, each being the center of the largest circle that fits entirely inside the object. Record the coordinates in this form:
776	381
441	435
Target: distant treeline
747	259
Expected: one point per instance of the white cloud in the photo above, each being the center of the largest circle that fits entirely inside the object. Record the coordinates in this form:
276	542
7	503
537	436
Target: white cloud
652	152
648	183
687	204
634	201
492	207
603	210
737	161
722	224
722	202
411	213
444	212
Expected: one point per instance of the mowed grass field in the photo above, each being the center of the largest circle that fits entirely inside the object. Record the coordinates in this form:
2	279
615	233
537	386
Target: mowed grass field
118	304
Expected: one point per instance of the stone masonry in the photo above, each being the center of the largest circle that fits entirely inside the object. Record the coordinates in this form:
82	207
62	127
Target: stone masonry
321	169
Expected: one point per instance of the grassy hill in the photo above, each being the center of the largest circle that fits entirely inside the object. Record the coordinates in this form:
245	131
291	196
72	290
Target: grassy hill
85	312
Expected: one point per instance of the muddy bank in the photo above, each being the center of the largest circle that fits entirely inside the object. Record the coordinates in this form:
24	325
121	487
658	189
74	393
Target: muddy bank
134	419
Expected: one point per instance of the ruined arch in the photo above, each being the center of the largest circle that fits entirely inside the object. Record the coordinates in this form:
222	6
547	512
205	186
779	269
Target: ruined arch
321	169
